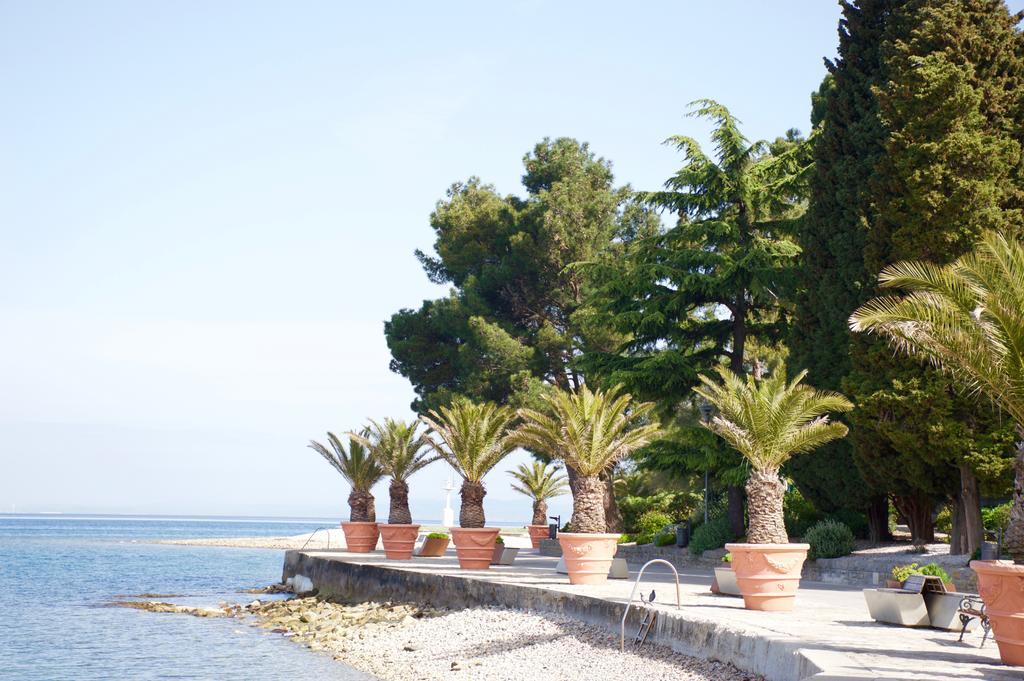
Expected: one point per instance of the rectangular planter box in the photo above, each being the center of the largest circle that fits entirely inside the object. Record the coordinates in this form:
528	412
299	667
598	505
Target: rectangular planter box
943	611
507	555
726	579
897	607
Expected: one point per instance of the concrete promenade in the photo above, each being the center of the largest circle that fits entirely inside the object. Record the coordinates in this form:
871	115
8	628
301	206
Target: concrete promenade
829	635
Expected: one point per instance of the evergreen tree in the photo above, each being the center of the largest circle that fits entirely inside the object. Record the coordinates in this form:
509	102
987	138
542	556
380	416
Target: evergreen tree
951	107
698	293
847	146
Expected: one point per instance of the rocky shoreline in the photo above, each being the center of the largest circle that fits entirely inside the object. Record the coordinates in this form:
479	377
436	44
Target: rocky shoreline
406	642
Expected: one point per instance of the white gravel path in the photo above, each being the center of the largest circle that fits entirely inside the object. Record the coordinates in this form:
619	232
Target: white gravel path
495	644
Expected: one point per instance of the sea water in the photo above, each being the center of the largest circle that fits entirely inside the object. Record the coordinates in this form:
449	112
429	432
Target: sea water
58	575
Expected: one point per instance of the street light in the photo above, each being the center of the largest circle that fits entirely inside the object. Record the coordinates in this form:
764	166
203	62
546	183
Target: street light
707	410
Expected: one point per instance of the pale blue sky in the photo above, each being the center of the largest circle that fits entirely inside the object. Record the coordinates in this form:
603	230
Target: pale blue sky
208	209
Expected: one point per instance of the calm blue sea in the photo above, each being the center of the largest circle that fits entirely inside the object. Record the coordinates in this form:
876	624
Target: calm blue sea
57	573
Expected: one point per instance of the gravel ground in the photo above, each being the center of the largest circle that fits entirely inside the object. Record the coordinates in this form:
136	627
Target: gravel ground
399	643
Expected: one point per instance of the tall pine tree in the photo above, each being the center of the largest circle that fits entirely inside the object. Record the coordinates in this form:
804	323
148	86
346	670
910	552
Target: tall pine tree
951	107
848	144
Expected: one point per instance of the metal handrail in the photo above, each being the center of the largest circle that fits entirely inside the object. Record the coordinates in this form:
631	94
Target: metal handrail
632	595
313	534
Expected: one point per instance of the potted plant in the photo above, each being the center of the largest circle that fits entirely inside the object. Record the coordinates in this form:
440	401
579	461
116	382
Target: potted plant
539	482
724	581
362	472
967	318
472	438
434	545
499	550
400	452
590	431
768	421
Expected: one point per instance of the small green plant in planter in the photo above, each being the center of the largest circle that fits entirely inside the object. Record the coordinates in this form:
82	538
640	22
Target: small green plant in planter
435	544
935	570
727	558
901	572
437	535
499	540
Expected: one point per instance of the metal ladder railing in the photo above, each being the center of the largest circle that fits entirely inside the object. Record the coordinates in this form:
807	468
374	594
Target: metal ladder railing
313	534
632	596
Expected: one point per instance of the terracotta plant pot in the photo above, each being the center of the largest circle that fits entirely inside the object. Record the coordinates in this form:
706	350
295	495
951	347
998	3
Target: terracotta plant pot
768	575
588	557
537	532
1001	585
893	584
360	537
474	546
499	550
434	547
399	540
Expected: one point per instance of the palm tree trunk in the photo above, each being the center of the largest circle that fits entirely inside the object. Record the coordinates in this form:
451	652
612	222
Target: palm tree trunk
471	513
540	512
361	509
765	492
399	513
1014	540
588	505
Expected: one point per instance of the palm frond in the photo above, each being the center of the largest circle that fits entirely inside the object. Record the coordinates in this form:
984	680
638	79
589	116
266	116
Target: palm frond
397	447
472	437
589	430
538	481
356	464
770	420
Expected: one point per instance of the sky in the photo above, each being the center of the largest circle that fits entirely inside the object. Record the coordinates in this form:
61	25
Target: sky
208	210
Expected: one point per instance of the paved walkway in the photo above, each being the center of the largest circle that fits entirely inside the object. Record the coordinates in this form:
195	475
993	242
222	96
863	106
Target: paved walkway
830	624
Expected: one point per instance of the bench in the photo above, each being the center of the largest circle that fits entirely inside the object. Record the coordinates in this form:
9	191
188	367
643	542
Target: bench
971	607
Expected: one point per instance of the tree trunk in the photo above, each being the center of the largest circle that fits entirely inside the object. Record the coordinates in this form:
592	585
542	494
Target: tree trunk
917	509
1014	540
957	536
764	498
399	513
471	512
540	512
612	517
736	510
878	519
361	509
588	505
970	500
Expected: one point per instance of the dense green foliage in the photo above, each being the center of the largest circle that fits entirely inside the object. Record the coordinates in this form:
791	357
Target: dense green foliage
713	534
829	539
833	278
653	522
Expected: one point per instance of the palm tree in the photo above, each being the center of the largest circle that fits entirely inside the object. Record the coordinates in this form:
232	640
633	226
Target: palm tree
472	438
540	482
768	421
967	318
590	431
360	469
400	451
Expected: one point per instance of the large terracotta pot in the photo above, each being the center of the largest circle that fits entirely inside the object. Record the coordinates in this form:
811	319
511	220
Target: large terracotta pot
588	557
1001	585
474	546
434	547
768	575
537	532
360	537
399	540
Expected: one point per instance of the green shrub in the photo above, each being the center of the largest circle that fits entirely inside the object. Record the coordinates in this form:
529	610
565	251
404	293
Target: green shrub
646	538
437	535
996	518
799	513
714	534
665	539
935	570
829	539
901	572
855	520
653	522
677	505
944	520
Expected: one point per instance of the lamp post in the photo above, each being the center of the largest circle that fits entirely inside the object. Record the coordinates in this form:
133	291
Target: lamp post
707	410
